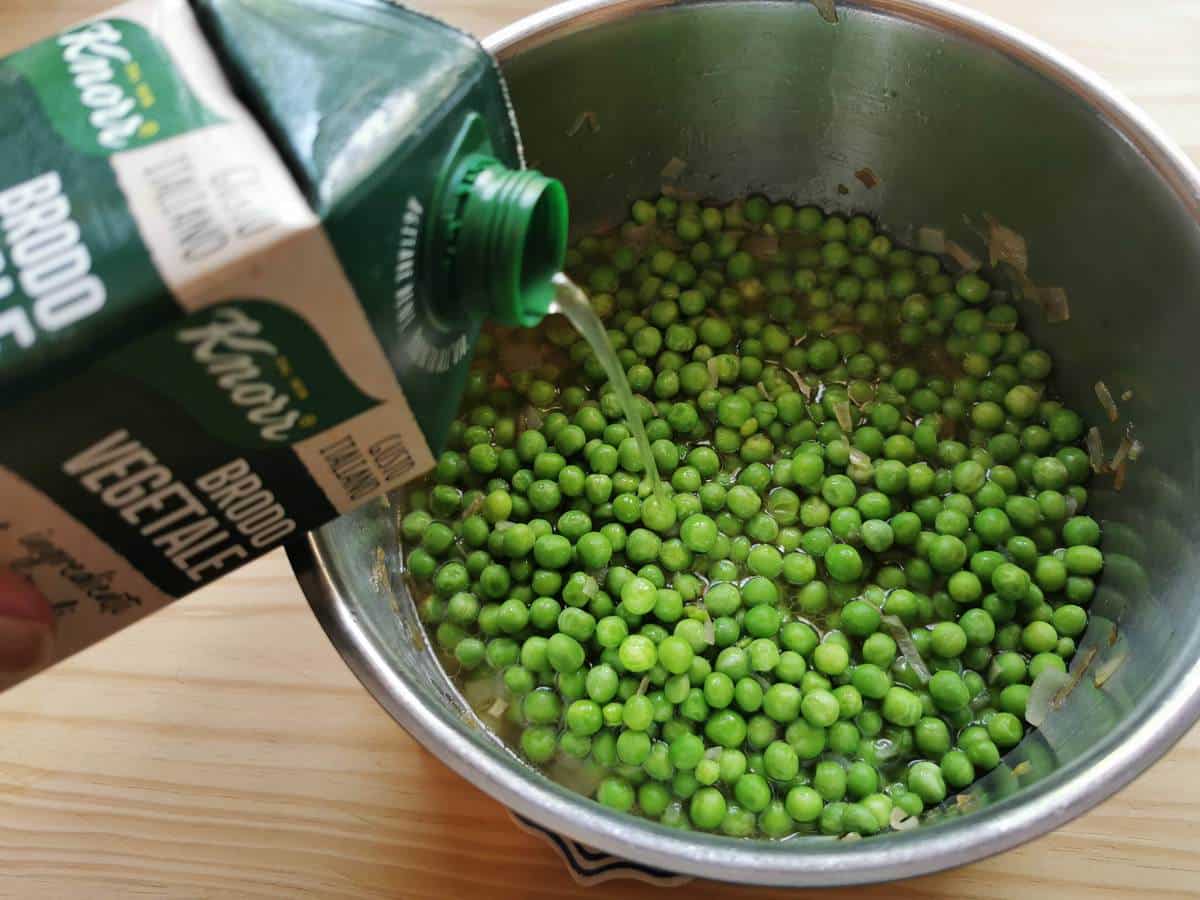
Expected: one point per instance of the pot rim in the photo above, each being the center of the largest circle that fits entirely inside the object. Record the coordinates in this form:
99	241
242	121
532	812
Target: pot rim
1052	802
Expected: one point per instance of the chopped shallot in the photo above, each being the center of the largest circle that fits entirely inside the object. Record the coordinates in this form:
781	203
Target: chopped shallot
712	364
498	708
908	649
827	9
1123	451
931	240
842	411
1106	400
1005	245
966	261
1045	688
1095	449
1109	669
1054	304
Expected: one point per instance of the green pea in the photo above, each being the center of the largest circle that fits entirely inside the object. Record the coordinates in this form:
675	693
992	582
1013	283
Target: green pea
843	563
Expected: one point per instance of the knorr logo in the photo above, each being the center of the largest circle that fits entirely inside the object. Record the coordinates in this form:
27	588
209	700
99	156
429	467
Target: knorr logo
109	86
230	349
251	373
93	56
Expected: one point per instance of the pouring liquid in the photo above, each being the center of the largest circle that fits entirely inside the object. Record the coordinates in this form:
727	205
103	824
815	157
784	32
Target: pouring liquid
572	302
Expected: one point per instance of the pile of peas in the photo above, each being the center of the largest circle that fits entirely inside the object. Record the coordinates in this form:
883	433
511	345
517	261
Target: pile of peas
856	446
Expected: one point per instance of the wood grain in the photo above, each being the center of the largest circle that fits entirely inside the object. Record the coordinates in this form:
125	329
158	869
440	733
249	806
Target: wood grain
221	748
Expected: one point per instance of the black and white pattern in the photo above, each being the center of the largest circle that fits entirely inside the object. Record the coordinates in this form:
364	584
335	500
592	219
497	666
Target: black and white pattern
591	867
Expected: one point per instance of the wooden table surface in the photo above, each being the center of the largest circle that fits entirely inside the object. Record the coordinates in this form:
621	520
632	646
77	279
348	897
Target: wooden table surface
221	748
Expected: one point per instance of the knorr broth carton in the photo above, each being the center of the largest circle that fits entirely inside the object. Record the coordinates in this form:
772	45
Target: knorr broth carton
246	248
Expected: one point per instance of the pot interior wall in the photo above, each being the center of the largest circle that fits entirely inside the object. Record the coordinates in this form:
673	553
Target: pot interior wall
771	98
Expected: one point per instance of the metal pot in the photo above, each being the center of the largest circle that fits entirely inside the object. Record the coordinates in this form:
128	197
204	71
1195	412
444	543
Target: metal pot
954	115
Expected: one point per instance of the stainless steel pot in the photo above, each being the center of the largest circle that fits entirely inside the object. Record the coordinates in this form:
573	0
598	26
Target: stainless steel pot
955	115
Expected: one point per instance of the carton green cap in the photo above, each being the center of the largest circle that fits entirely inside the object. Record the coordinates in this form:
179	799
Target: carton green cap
510	241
